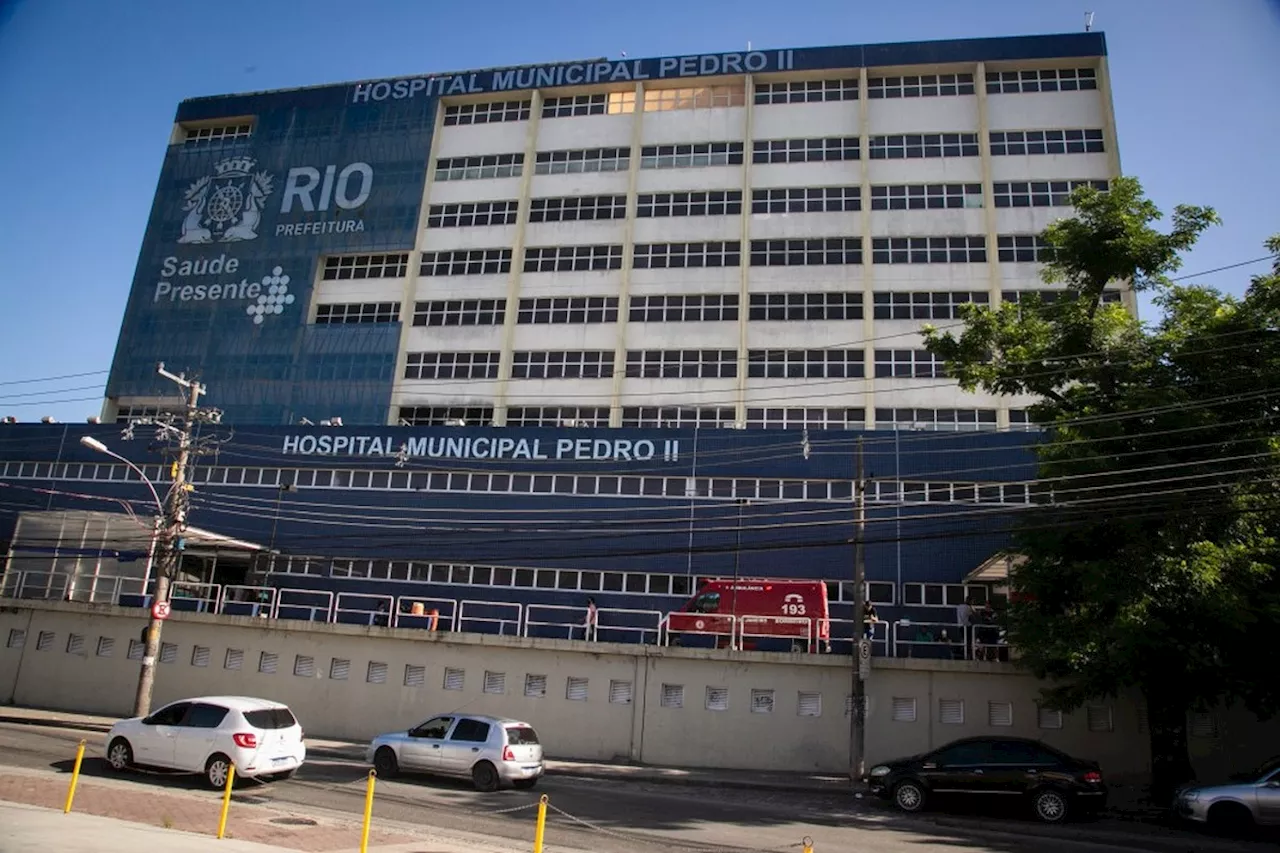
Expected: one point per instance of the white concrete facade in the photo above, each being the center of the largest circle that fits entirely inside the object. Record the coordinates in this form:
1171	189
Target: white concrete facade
951	137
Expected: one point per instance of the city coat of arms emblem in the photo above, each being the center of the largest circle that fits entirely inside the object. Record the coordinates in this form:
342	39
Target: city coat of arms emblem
226	207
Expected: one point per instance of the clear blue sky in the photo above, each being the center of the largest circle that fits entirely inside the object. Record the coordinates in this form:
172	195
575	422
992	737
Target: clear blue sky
88	90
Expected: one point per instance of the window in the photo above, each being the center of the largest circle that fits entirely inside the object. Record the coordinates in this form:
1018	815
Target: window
1010	142
909	364
580	364
815	251
692	155
267	663
1041	80
670	417
807	91
75	644
1023	248
575	689
479	168
18	638
682	364
903	709
925	196
452	365
801	364
170	715
1048	718
576	161
442	415
434	729
460	312
1099	718
486	113
344	267
809	704
1203	725
234	658
1041	193
806	200
495	682
920	86
717	699
554	416
107	646
951	712
535	686
762	701
691	308
934	305
806	150
216	133
672	696
362	312
680	255
304	666
805	306
415	675
339	669
702	97
1048	297
1000	714
200	656
470	213
578	208
572	258
568	309
780	418
466	262
44	641
603	103
704	203
202	716
929	250
620	692
470	731
454	679
914	146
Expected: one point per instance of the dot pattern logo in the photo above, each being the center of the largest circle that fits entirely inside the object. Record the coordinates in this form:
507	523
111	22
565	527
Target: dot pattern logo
276	296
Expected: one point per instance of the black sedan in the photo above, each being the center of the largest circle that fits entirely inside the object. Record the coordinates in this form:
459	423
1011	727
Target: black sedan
990	768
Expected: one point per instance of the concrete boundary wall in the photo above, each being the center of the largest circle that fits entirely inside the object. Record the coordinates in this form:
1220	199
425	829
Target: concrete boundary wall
603	701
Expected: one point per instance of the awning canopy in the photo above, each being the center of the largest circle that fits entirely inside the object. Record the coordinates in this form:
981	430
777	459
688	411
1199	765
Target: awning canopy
996	568
80	533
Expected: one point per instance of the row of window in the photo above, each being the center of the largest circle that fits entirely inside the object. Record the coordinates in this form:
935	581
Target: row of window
671	417
702	154
793	92
772	200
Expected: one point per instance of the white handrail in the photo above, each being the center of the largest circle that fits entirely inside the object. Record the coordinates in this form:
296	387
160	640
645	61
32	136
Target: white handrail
281	604
491	620
372	615
447	619
256	605
209	602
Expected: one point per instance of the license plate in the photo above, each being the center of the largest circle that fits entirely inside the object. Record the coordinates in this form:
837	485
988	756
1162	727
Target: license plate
276	761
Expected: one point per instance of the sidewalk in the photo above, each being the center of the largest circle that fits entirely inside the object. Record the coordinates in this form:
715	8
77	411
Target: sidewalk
322	748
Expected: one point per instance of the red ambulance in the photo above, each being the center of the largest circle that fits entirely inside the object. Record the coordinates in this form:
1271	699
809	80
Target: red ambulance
763	607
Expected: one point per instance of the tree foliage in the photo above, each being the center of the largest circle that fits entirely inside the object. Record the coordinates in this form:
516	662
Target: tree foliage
1152	562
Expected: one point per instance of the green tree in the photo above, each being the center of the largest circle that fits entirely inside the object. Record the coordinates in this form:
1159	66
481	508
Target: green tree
1152	553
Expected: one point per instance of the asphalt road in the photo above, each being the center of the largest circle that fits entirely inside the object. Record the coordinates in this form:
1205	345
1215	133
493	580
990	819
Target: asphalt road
628	817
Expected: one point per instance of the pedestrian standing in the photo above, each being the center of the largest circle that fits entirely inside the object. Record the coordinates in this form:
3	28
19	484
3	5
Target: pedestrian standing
589	626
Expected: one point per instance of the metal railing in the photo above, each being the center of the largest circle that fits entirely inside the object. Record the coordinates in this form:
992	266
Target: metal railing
903	638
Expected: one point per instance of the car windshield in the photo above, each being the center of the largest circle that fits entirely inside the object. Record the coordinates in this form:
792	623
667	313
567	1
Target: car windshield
270	718
1261	772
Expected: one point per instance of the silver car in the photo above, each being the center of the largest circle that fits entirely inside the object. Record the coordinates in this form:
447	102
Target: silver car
490	751
1249	799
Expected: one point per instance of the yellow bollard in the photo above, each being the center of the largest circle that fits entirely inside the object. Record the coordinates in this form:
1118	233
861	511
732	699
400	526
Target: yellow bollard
368	811
75	777
226	799
542	824
807	843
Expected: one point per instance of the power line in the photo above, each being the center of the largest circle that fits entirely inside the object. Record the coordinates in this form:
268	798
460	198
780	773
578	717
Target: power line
53	378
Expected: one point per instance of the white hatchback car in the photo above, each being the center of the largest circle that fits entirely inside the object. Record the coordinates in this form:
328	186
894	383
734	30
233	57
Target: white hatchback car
490	751
207	734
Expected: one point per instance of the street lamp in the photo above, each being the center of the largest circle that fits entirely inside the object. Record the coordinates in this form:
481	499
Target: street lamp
146	676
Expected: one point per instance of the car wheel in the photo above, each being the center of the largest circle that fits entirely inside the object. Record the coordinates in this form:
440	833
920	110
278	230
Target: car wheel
216	770
525	784
484	776
384	761
1230	818
1050	806
909	796
120	755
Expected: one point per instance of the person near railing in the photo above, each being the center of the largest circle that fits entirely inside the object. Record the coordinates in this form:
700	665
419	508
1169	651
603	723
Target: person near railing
590	624
869	620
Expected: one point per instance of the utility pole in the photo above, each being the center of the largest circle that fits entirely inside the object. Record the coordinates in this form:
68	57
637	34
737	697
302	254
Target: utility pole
172	527
861	645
